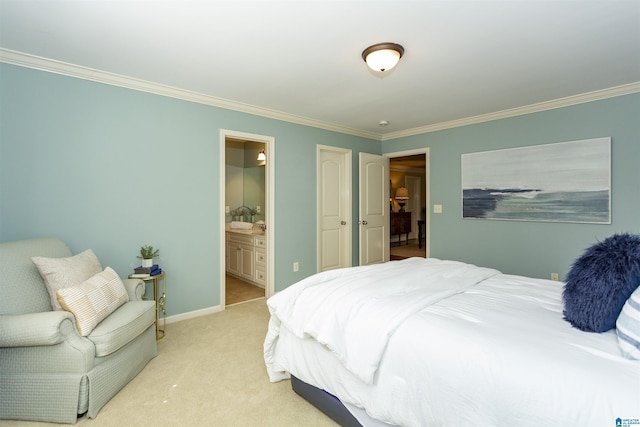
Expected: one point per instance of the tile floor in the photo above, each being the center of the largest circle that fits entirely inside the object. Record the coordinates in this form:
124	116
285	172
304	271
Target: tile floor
240	291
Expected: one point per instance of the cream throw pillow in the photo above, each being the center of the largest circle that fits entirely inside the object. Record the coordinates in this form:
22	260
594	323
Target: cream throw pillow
59	273
94	300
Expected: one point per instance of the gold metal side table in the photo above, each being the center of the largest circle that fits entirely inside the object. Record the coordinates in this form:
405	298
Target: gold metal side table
159	280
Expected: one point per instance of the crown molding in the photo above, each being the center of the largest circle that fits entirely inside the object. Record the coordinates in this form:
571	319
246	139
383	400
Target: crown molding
520	111
63	68
66	69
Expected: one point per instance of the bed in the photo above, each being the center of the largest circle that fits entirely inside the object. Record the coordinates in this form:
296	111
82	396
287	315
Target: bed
428	342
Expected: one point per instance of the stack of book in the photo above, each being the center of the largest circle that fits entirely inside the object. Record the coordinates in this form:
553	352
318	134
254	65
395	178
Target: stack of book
146	272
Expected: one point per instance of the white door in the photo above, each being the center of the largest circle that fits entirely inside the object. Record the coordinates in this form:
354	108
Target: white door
334	208
374	209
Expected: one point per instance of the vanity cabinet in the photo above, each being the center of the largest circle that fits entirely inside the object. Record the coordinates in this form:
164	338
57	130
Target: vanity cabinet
260	276
247	257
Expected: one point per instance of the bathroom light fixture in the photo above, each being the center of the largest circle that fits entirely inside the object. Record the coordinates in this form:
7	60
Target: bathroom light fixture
382	56
402	195
261	156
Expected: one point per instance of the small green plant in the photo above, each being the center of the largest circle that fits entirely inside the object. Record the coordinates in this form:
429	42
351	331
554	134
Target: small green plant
243	211
147	252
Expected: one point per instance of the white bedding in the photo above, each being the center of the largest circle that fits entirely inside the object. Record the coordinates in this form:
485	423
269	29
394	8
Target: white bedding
488	352
356	321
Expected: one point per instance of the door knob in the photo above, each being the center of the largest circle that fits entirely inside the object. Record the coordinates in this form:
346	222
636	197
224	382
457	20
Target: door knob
363	222
343	222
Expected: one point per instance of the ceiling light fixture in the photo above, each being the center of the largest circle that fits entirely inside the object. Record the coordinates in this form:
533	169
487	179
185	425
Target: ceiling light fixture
382	57
261	156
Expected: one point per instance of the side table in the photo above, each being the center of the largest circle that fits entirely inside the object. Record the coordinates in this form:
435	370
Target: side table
400	224
159	280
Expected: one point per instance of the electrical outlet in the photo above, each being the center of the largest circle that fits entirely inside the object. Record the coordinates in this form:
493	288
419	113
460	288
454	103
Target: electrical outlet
437	208
296	266
554	276
258	208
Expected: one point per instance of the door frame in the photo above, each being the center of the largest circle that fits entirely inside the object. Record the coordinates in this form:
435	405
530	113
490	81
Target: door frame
427	189
270	152
348	196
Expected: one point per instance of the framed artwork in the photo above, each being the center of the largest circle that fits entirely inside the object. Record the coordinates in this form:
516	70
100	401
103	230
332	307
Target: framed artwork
562	182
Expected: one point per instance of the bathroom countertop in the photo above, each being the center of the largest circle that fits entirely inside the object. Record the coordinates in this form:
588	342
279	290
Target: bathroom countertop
255	232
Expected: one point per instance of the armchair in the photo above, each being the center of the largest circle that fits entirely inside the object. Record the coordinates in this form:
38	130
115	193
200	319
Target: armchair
48	371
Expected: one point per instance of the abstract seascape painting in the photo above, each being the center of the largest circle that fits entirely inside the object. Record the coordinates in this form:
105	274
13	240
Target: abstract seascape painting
561	182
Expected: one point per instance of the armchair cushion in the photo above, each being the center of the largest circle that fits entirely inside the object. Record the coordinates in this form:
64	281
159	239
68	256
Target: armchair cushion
61	273
94	299
122	326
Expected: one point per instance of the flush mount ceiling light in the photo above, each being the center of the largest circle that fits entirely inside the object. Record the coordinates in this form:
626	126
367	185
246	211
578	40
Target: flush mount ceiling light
382	57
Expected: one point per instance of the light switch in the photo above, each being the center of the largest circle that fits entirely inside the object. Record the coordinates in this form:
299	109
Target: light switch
437	208
227	209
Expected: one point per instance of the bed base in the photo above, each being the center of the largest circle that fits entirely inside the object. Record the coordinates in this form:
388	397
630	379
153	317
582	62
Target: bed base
326	402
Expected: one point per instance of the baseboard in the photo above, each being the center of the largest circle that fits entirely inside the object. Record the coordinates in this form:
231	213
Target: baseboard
193	314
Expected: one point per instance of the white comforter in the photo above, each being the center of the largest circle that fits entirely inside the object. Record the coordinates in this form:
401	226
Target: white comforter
356	321
493	353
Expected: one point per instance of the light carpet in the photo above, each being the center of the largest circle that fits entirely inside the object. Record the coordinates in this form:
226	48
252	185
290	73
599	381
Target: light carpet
210	372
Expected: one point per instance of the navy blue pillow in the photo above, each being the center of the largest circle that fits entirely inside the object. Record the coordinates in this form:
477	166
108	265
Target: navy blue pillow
600	282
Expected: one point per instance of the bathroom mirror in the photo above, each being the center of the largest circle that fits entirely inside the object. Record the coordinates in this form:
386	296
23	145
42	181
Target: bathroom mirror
244	179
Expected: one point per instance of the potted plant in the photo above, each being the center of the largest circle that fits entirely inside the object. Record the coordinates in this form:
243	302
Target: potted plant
147	253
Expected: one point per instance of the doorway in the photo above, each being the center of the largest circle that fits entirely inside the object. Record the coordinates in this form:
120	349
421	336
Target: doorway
408	172
246	197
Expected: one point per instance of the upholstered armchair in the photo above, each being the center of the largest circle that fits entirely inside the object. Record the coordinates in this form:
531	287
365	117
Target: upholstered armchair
53	364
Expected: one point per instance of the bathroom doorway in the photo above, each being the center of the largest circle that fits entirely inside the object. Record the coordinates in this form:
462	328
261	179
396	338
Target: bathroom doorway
246	197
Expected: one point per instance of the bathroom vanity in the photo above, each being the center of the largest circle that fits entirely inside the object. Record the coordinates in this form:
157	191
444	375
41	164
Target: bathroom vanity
247	256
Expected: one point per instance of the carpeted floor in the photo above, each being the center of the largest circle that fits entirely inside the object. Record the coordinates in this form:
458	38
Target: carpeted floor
210	372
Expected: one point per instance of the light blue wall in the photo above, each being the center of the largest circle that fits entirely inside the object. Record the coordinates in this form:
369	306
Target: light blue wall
530	248
111	169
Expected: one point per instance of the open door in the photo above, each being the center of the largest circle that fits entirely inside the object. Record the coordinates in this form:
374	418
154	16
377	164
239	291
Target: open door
374	209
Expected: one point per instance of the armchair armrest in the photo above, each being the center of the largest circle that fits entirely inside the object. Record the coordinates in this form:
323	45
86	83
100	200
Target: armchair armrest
36	329
135	288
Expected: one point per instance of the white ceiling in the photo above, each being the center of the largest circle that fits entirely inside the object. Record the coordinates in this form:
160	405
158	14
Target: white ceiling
462	58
